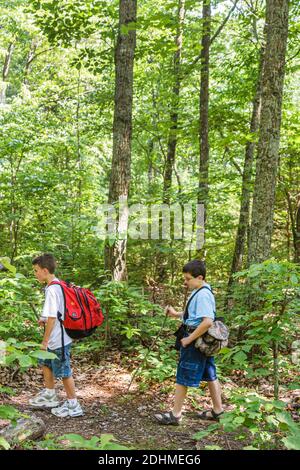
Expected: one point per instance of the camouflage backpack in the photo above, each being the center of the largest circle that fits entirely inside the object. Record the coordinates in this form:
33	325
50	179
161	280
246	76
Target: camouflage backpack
214	339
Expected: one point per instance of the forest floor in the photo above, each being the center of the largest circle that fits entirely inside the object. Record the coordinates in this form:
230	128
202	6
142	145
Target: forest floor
110	408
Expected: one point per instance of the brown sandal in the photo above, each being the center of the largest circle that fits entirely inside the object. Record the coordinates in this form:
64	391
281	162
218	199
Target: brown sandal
205	416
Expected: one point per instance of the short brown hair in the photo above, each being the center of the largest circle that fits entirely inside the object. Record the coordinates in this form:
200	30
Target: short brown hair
195	268
47	261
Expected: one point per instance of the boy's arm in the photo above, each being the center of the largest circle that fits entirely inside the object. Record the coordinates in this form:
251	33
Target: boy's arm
49	327
171	312
199	331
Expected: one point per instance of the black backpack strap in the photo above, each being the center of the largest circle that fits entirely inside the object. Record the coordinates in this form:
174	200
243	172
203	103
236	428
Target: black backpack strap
211	291
186	313
59	317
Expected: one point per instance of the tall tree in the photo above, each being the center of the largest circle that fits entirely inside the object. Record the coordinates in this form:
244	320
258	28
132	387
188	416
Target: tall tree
243	224
172	139
162	260
269	131
122	132
204	103
204	57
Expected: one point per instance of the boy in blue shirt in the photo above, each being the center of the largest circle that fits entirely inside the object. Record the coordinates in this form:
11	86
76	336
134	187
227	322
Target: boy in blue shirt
193	366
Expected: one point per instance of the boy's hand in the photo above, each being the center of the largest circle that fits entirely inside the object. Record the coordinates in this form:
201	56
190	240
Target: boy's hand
41	322
44	345
185	342
171	312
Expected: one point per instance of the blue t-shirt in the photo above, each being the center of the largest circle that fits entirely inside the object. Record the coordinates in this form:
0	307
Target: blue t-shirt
202	305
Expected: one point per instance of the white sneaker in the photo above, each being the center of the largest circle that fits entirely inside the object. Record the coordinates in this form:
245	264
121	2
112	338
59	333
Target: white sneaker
67	410
44	400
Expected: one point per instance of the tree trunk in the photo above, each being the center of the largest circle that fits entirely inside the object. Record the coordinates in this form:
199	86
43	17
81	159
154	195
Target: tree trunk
246	181
162	258
294	215
297	232
122	133
275	369
5	72
268	146
204	99
172	139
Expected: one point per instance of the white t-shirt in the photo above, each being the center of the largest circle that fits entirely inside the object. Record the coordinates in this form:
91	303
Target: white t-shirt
54	302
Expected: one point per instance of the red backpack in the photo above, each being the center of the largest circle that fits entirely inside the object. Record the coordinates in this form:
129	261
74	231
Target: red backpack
82	311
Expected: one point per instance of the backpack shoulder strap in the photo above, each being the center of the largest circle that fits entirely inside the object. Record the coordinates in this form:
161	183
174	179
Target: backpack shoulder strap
186	313
211	291
56	283
59	316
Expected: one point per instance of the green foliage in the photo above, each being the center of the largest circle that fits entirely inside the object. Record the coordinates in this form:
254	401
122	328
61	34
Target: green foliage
4	444
9	412
19	318
23	353
56	141
159	364
265	308
76	441
128	313
263	422
19	303
7	390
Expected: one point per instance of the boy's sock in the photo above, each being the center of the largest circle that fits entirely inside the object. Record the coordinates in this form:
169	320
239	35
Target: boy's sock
51	391
72	401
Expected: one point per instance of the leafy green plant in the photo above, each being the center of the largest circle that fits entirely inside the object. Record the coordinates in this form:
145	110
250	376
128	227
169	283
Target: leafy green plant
265	311
19	304
265	422
160	363
76	441
127	312
25	353
10	413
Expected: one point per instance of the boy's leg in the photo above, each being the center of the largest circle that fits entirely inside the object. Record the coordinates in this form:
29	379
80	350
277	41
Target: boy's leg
180	394
46	398
174	416
71	407
48	377
69	386
215	393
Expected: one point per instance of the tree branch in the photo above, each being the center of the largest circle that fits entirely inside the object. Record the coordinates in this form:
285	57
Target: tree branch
222	25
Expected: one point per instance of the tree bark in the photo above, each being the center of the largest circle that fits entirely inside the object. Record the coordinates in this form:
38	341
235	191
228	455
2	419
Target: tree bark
297	232
294	215
122	132
203	111
204	100
172	139
269	135
162	258
246	180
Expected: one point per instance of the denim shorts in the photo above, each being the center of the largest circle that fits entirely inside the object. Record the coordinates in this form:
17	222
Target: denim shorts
60	368
194	367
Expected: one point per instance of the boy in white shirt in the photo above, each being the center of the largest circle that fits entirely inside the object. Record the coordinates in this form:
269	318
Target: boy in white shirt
44	268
